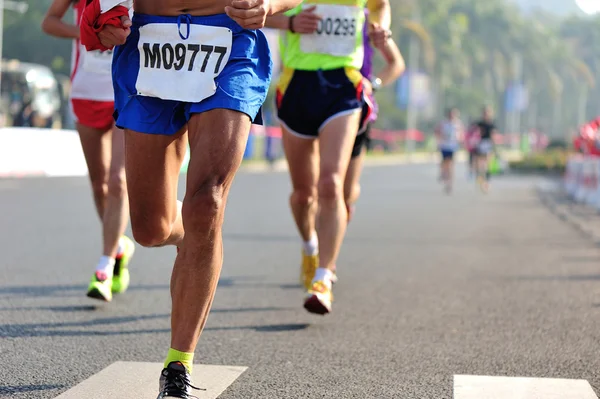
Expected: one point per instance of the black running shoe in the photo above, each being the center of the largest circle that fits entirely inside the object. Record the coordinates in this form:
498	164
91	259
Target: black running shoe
175	382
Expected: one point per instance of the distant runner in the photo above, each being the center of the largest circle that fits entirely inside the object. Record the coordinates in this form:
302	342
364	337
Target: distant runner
450	133
92	100
487	130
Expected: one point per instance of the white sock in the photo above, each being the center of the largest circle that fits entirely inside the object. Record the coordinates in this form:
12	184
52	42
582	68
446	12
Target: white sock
311	247
106	265
121	248
324	275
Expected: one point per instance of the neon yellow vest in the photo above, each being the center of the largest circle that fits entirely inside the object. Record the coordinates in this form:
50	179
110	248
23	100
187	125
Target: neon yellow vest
330	29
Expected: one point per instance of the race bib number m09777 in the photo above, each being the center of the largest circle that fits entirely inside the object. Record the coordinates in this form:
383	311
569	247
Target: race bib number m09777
337	31
173	68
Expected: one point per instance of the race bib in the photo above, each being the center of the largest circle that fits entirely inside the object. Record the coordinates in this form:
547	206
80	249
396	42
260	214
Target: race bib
449	132
96	61
173	68
337	31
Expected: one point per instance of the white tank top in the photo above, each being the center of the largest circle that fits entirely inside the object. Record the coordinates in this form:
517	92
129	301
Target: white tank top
91	77
450	134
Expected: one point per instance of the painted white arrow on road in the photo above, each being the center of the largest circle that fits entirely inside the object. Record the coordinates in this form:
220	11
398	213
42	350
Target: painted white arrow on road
127	380
483	387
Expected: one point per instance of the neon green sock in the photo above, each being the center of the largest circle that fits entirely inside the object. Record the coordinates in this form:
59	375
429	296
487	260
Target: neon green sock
187	359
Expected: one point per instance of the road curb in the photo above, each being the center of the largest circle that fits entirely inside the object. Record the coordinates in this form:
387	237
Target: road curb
581	217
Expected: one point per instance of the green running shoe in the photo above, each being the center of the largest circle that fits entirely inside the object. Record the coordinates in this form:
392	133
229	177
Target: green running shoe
121	271
100	287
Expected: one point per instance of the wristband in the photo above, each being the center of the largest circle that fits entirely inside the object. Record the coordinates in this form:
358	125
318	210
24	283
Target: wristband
291	26
376	83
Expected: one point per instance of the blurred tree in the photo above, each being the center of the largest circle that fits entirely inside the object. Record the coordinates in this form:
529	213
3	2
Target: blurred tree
25	41
471	49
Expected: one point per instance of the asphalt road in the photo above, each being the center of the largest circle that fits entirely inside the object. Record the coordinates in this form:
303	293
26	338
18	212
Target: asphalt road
430	286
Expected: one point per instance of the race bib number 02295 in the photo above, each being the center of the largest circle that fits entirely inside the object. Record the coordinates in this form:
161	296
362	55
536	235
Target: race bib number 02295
172	68
337	31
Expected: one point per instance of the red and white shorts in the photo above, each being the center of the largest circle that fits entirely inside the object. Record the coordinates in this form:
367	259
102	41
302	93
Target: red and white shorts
94	114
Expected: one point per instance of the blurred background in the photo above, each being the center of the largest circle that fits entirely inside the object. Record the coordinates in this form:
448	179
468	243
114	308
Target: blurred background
536	62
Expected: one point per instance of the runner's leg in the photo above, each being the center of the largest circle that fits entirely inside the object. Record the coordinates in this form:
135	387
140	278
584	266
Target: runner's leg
115	217
449	173
96	145
352	182
303	162
336	139
217	141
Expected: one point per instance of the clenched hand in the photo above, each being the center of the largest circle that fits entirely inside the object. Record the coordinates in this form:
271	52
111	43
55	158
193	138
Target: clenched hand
307	22
249	14
378	35
112	36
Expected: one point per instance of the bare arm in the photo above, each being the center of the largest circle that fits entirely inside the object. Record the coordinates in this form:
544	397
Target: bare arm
53	23
305	22
280	21
395	65
380	13
279	6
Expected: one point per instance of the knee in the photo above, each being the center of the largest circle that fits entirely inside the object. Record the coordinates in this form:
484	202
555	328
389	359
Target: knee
330	187
116	185
203	206
303	196
149	231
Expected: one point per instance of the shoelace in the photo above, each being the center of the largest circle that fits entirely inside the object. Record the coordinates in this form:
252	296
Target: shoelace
176	385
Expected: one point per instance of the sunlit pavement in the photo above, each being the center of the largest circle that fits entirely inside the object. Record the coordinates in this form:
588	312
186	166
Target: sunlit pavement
431	287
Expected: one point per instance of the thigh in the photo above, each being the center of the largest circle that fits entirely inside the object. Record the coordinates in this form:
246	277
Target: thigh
96	145
152	165
218	139
303	160
336	141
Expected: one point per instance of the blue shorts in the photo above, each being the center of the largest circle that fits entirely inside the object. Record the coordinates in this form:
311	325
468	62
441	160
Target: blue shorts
241	86
447	154
308	100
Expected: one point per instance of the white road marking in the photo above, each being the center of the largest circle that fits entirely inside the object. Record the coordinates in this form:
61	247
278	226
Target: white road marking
485	387
128	380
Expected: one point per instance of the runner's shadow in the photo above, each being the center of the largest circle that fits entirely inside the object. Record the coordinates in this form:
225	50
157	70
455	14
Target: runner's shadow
65	290
51	329
290	286
48	330
77	290
266	328
250	310
69	309
243	282
259	238
572	277
12	389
